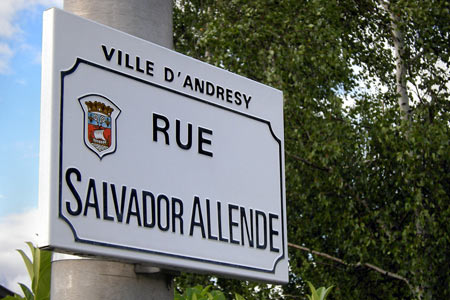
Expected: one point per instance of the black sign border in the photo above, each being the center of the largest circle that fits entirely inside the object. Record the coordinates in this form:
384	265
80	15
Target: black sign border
96	243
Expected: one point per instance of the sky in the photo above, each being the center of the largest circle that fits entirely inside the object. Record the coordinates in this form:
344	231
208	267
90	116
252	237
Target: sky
20	79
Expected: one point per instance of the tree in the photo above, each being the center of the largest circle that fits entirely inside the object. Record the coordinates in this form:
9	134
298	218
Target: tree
368	185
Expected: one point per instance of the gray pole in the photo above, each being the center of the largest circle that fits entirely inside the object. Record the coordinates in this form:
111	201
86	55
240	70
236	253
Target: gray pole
74	279
150	20
94	279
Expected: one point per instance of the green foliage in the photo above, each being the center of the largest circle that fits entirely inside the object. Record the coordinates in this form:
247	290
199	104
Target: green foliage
15	297
362	184
231	288
39	270
319	294
238	297
200	293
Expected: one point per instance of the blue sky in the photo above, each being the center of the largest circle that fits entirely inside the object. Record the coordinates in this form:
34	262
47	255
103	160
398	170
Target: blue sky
19	113
19	120
20	72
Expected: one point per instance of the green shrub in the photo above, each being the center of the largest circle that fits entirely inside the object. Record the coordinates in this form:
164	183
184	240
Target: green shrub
200	293
319	294
39	270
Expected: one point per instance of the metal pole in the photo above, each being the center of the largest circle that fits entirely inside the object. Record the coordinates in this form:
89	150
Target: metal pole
93	279
87	279
150	20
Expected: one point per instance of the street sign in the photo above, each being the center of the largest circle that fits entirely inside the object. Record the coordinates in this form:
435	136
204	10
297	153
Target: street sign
154	157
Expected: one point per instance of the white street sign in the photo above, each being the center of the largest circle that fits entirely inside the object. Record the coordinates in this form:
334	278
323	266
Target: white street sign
154	157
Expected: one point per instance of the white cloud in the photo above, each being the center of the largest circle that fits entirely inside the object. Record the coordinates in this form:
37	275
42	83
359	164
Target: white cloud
6	54
9	26
37	57
21	82
16	230
25	148
10	8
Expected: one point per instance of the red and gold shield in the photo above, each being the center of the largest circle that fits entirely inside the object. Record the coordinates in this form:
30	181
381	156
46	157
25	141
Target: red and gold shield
99	124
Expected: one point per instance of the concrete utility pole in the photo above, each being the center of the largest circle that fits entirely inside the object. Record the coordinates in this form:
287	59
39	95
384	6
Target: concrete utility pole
150	20
74	279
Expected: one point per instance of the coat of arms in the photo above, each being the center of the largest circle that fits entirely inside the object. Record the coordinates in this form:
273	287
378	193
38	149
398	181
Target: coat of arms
100	128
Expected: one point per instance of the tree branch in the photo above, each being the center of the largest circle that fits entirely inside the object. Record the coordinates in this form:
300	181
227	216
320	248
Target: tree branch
359	264
338	260
308	163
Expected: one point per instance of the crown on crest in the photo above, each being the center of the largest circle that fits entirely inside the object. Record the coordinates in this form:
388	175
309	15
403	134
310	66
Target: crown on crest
99	107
